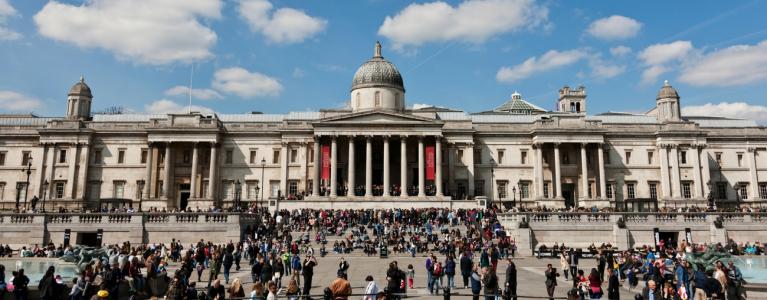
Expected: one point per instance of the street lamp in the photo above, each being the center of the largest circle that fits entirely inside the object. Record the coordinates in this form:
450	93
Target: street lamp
45	192
492	181
237	194
26	184
19	187
519	187
513	196
263	164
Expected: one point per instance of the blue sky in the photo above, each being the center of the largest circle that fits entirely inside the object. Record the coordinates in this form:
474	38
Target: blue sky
283	55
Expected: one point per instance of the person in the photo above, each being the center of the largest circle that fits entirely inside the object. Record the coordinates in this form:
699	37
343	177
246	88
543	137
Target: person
343	267
466	268
669	293
490	281
476	283
76	293
573	262
551	280
215	268
47	286
651	292
20	284
308	272
613	285
436	278
371	288
450	271
257	292
228	261
292	291
564	264
216	291
340	287
410	276
255	270
595	284
272	288
511	280
393	278
429	270
734	281
236	290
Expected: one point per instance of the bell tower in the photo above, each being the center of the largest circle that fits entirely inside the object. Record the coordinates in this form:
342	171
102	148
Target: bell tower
572	100
79	101
667	104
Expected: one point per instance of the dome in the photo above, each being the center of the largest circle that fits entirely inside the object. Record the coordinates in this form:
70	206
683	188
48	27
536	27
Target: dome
667	91
378	72
80	89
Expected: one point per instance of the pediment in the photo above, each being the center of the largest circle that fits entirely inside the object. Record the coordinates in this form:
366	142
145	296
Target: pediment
377	118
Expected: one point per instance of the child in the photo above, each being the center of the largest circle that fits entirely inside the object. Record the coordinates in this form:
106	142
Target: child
410	275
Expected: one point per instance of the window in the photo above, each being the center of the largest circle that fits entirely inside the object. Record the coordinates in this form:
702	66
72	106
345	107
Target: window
205	188
607	156
97	158
293	187
743	191
683	157
160	188
311	155
740	159
357	102
565	158
721	190
378	99
227	190
524	190
500	156
143	156
591	189
62	156
718	156
628	157
479	187
2	158
253	188
276	156
2	190
653	190
650	155
546	189
459	154
502	189
686	190
477	156
293	155
161	157
609	190
94	190
631	190
228	158
25	157
58	190
139	188
523	157
119	189
121	156
762	190
187	156
253	154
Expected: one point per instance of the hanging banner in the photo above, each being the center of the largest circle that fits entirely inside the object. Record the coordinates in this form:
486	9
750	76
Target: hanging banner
325	162
430	162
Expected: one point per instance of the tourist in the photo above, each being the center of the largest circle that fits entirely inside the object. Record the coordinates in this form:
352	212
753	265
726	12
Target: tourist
308	272
511	281
613	285
436	278
410	276
371	288
215	268
176	290
20	285
227	261
669	293
564	264
490	282
3	284
429	271
393	279
551	280
476	283
236	290
272	288
343	267
450	271
651	292
572	260
720	275
466	267
340	287
292	291
595	284
257	292
734	281
255	269
216	291
47	287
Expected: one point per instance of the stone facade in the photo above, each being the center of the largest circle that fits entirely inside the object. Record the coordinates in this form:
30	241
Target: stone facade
375	147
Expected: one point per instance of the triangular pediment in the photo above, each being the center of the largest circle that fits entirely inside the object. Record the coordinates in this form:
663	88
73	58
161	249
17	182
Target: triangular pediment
377	117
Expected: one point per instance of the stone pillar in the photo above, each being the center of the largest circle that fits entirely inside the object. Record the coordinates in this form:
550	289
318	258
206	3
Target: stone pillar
664	180
50	170
705	171
148	178
39	166
368	167
558	173
438	166
403	166
193	176
72	164
212	180
754	184
539	170
602	179
469	156
284	169
675	185
350	181
83	172
421	173
451	168
333	166
386	167
304	158
584	173
698	185
317	168
166	174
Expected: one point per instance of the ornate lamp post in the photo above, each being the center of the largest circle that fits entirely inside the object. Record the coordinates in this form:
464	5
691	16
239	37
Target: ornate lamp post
19	187
26	184
519	187
514	196
237	194
45	192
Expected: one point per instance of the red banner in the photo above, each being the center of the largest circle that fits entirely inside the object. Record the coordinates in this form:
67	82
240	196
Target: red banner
325	162
430	162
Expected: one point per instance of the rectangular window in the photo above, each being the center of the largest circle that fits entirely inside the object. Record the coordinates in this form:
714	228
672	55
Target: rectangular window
502	189
591	189
607	156
228	159
143	156
459	155
253	154
160	188
139	188
97	158
525	190
311	155
650	155
160	157
631	190
58	190
205	187
609	190
187	156
94	190
293	155
686	190
743	191
2	158
119	189
500	156
253	188
293	187
718	157
740	159
25	157
227	190
683	157
2	190
653	190
523	157
276	156
546	189
479	187
62	156
121	156
721	190
477	156
762	190
628	157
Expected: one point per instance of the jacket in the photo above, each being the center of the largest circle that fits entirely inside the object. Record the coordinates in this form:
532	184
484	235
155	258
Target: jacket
613	288
466	265
476	284
491	283
511	275
450	267
646	293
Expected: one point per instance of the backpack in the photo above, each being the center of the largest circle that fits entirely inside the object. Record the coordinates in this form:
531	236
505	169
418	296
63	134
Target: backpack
437	270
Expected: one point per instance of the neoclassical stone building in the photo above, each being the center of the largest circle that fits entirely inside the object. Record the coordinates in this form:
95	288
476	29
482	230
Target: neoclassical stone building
376	152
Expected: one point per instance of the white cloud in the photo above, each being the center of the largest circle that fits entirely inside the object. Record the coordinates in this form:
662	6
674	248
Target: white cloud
550	60
202	94
298	73
244	83
657	57
603	70
619	51
6	11
469	21
13	101
152	32
614	27
165	106
735	65
739	110
284	26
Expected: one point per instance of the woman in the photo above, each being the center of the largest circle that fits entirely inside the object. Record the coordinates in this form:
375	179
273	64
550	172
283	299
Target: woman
292	291
669	293
371	289
272	291
47	286
236	291
476	284
595	284
258	291
564	263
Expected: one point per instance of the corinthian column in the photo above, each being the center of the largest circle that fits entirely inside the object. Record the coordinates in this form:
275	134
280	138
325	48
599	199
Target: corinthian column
438	166
386	166
350	181
333	166
368	167
421	177
403	167
148	178
558	173
584	173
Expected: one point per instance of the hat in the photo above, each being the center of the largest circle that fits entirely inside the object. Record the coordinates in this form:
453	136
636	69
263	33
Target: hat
103	294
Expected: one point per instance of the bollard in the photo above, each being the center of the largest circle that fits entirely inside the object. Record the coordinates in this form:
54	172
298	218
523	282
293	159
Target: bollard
446	293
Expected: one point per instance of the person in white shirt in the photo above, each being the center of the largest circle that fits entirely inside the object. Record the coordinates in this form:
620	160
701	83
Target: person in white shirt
371	290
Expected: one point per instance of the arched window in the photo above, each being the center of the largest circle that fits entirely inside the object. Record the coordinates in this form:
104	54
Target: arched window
357	100
378	99
572	107
578	107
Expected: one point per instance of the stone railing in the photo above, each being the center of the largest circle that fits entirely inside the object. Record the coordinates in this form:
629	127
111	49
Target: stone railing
632	218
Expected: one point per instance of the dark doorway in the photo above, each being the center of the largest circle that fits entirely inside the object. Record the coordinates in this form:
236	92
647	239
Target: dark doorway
183	194
669	238
88	239
568	192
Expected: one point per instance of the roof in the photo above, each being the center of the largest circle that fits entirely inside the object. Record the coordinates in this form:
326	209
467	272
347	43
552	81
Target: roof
10	120
623	119
667	91
516	103
127	117
714	122
504	118
378	72
80	89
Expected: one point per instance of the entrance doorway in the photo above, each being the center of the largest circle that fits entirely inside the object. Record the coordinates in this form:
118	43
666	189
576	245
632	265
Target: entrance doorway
568	192
88	239
669	238
183	195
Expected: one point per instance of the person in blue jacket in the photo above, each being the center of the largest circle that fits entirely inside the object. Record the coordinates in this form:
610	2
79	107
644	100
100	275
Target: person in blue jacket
476	284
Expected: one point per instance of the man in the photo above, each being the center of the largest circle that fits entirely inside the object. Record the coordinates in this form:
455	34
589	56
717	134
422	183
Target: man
466	266
573	260
216	291
700	283
394	279
511	281
734	280
228	261
429	270
651	291
551	280
308	271
490	281
613	285
340	287
343	267
682	276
